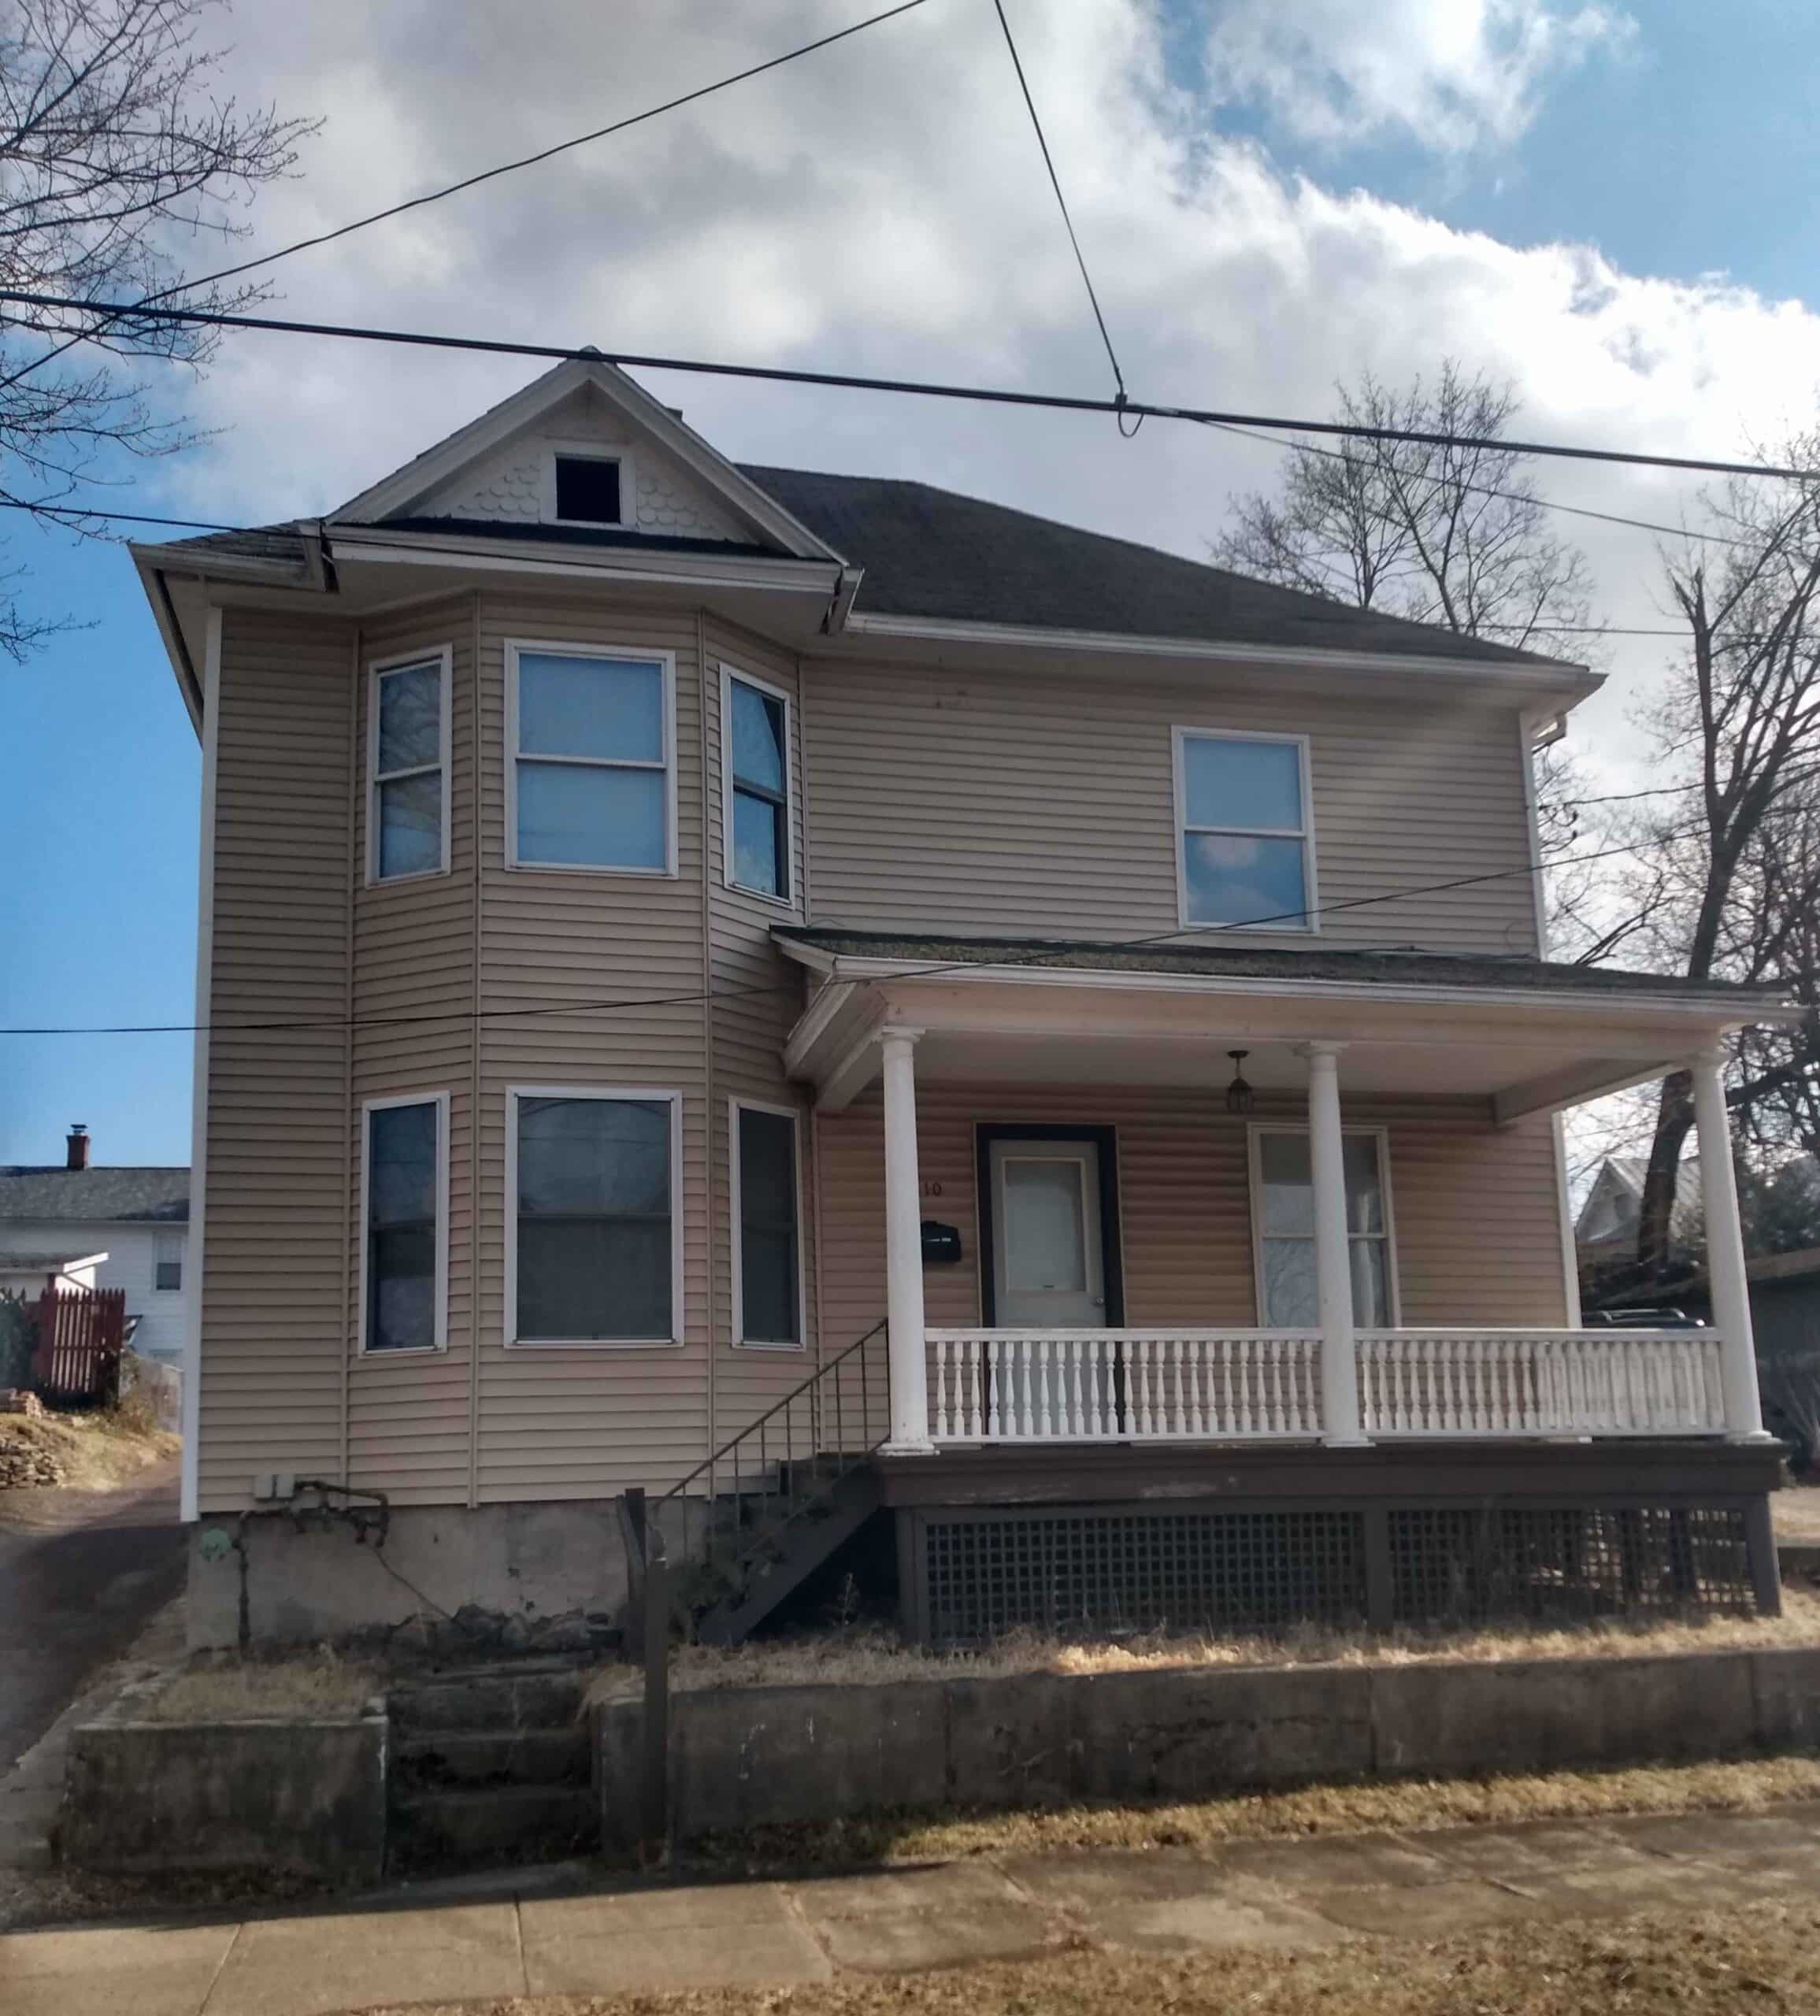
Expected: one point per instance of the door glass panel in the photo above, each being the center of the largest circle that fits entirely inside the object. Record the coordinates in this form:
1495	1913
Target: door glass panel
1370	1286
1044	1247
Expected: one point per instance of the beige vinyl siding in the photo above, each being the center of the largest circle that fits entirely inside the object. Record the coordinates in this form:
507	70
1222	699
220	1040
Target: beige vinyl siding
586	1423
272	1373
1017	804
409	1433
1477	1234
758	995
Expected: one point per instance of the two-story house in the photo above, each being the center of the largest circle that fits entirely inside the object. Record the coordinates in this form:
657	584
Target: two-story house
1056	1033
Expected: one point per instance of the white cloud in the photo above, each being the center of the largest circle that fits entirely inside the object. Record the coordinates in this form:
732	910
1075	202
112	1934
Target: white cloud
880	207
1448	74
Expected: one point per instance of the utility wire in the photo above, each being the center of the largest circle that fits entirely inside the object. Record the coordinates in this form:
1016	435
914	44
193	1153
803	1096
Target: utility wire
473	181
923	388
1011	958
1061	201
1512	497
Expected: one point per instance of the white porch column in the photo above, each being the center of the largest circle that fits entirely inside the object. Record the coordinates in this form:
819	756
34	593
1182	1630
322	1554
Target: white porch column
1730	1286
904	1248
1332	1257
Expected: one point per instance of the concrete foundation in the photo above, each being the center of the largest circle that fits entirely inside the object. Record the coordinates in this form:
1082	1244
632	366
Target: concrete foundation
749	1757
519	1577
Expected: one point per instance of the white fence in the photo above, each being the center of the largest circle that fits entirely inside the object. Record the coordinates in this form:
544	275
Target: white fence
1123	1385
1257	1385
1511	1383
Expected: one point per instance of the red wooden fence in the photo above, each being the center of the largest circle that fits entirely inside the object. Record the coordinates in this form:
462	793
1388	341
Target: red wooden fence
81	1333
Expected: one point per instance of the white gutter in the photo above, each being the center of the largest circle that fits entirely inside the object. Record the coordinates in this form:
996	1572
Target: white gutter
1576	678
1718	1013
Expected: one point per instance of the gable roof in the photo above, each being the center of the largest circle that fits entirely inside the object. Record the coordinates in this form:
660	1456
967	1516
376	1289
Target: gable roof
93	1196
936	553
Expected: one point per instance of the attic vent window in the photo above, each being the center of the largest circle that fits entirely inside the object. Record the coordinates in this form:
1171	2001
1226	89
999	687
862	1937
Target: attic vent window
587	490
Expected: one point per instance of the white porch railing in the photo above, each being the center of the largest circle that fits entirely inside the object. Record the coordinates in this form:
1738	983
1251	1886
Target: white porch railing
1256	1385
1123	1385
1512	1383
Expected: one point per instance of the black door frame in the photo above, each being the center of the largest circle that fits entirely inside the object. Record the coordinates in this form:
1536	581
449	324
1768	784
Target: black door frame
1111	1255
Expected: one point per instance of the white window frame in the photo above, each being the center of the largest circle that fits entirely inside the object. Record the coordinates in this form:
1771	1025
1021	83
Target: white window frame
737	1105
648	1094
591	451
176	1239
440	1331
1180	738
729	673
1256	1131
515	647
443	656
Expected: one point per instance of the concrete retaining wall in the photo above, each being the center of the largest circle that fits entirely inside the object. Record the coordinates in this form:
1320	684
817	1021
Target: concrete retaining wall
305	1798
747	1757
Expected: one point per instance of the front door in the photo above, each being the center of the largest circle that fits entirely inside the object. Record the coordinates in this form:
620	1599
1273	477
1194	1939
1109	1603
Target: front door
1048	1269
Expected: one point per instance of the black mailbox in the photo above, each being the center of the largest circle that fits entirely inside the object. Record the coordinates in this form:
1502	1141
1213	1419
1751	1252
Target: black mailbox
941	1244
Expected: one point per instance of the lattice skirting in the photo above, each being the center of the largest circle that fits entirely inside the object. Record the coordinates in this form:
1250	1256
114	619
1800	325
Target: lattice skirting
977	1572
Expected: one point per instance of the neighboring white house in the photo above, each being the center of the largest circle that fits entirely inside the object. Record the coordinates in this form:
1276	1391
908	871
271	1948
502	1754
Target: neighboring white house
132	1223
29	1270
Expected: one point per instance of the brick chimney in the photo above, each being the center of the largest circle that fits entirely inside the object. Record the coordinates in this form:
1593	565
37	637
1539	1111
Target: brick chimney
76	1151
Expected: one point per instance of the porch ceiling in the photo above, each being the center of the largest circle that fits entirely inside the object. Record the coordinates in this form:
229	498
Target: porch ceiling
1522	1048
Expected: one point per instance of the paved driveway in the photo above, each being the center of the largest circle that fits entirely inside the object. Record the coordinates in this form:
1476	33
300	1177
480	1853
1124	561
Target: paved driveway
80	1574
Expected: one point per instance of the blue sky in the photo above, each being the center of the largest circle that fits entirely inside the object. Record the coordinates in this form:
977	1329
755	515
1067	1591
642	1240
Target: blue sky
1264	235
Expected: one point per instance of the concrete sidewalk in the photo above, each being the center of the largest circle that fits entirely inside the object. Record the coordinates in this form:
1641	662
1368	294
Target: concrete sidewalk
1297	1895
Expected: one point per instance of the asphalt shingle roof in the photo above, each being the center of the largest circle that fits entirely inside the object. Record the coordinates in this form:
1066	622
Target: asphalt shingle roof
101	1196
935	553
1251	962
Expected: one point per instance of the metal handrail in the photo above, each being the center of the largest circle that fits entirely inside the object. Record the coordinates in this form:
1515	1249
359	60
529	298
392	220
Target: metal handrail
717	1546
711	1462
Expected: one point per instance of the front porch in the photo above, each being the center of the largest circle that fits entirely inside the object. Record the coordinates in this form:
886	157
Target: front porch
1366	1242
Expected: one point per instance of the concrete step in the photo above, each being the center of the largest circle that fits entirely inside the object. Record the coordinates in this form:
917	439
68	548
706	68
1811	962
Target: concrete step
473	1828
451	1759
536	1697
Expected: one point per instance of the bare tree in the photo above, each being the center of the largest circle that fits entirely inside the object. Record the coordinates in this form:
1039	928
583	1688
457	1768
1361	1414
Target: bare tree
1441	533
115	156
1741	717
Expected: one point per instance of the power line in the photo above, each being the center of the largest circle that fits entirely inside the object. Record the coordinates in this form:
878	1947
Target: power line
119	517
1514	497
922	388
472	181
1061	201
908	972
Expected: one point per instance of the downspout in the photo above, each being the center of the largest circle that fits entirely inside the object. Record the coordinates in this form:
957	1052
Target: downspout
350	1317
477	1214
708	1029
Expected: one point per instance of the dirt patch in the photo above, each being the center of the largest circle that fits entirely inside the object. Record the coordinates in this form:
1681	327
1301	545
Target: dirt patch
1763	1957
872	1656
319	1686
103	1451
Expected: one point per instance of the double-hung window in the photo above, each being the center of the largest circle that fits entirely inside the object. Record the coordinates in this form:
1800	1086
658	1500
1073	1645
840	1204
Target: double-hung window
1283	1213
167	1260
767	1226
591	741
594	1249
1244	832
756	731
405	1222
408	762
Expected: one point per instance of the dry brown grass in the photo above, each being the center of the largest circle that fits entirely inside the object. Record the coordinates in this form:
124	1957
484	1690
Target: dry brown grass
316	1686
1405	1805
1797	1513
872	1656
1762	1958
99	1451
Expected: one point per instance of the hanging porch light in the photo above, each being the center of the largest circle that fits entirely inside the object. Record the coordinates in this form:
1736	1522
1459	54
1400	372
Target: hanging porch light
1240	1097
